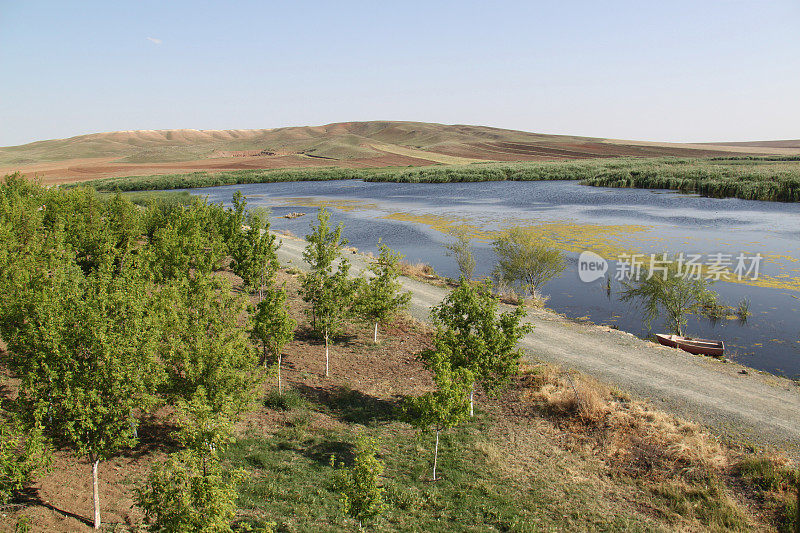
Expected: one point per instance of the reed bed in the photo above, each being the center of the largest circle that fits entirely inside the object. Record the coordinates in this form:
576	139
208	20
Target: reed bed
771	178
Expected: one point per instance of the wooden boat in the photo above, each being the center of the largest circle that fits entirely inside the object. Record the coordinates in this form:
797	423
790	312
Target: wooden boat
695	346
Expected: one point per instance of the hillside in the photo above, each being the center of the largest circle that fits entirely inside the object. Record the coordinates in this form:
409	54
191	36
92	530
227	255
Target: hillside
346	144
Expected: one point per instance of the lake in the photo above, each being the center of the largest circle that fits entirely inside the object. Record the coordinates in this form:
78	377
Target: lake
614	223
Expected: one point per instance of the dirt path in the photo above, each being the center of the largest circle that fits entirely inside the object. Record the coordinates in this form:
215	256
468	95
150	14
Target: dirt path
754	407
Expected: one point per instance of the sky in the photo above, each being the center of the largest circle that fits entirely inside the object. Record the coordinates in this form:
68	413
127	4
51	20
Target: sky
687	71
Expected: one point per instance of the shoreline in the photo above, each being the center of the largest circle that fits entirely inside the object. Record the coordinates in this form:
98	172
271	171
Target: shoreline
762	178
756	408
436	280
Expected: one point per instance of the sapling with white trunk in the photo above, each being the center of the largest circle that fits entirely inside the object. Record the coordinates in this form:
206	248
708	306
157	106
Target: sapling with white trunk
272	326
327	287
380	298
334	306
89	343
473	335
443	408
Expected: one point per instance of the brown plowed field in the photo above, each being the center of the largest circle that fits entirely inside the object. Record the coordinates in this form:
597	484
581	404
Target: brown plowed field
66	172
347	144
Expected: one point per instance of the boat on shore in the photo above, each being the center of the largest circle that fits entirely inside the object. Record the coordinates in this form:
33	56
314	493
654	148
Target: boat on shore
693	346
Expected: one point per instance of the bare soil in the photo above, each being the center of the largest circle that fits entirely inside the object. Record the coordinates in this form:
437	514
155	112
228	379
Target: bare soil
527	441
61	500
101	155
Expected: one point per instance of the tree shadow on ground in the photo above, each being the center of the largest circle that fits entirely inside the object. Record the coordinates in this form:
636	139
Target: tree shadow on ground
350	405
29	497
154	436
305	333
323	451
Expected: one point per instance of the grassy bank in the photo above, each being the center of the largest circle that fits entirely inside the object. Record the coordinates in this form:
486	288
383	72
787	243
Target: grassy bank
290	479
770	178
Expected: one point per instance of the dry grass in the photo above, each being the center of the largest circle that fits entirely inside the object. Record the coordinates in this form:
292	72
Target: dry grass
537	300
630	434
419	271
698	476
510	298
509	295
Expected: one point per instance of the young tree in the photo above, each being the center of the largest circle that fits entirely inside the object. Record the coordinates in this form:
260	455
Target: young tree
334	305
470	334
180	495
192	492
379	298
204	346
358	486
443	408
669	291
85	355
233	219
253	250
184	240
523	259
272	326
323	248
461	249
330	293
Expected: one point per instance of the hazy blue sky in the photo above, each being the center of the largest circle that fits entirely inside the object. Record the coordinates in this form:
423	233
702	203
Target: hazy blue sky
673	70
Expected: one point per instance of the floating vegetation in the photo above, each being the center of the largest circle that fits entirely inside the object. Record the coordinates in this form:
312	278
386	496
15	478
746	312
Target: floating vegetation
341	204
743	310
613	242
714	311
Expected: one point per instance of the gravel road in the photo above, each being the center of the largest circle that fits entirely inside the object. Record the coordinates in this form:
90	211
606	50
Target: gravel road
754	407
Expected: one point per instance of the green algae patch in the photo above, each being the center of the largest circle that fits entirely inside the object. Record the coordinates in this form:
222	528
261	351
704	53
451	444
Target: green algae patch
613	242
334	203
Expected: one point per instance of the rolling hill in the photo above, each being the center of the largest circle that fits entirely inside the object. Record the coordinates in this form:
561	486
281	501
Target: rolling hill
346	144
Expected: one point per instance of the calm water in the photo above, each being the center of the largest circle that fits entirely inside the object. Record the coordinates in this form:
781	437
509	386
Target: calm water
411	218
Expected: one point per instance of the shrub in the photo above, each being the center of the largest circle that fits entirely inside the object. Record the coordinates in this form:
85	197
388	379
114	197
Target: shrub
184	494
288	401
358	486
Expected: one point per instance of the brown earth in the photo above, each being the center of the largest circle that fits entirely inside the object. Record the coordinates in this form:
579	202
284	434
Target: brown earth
347	144
524	435
61	500
764	144
89	169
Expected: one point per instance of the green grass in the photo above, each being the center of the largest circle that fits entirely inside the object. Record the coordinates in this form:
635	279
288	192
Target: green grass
291	482
765	473
290	478
779	482
769	178
705	501
288	401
